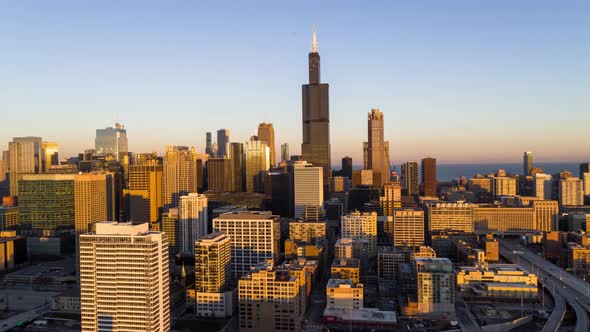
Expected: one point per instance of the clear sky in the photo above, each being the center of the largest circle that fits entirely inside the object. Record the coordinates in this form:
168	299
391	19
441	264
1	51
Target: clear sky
463	81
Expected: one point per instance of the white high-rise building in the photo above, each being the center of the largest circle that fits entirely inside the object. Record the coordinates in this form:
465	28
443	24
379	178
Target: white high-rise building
543	186
124	279
192	221
254	237
309	187
586	180
503	186
571	192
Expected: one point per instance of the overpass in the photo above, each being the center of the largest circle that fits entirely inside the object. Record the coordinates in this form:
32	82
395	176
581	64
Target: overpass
561	285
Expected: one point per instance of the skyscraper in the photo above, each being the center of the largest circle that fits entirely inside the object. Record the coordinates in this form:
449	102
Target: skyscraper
180	174
257	162
429	177
209	145
143	196
50	203
222	141
527	163
362	229
315	147
124	279
255	238
236	157
408	227
571	192
376	155
25	157
50	155
111	141
213	276
219	175
266	134
285	155
94	195
410	177
347	167
584	168
309	187
192	221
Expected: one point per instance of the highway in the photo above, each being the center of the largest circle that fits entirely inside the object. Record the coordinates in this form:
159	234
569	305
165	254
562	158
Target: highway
558	282
11	322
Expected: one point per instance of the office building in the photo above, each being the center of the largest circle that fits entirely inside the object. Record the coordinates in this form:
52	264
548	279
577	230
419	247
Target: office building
481	187
25	157
435	285
213	276
285	154
272	299
180	174
343	249
124	279
192	220
503	186
408	227
94	196
170	225
429	177
111	141
586	181
349	268
571	192
391	199
257	163
266	134
278	192
339	184
9	219
315	146
236	157
362	229
307	231
222	141
344	294
527	163
347	167
410	178
209	145
143	197
377	158
450	216
254	238
49	203
308	187
543	185
219	174
13	250
500	281
50	155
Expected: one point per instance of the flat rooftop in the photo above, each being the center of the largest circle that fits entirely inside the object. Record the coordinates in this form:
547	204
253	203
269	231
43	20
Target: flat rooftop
258	215
364	315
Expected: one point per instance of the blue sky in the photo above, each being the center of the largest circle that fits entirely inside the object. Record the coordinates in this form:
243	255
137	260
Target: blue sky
463	81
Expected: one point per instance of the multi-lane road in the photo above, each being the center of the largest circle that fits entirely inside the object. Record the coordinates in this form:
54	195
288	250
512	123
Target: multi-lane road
561	285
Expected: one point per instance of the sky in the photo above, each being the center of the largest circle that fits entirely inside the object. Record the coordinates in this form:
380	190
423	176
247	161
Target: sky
462	81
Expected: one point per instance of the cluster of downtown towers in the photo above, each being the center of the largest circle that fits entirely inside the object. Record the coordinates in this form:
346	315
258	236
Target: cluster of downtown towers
110	183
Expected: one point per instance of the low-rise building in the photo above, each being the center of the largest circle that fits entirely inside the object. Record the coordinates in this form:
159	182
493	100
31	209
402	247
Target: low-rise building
344	294
507	281
346	269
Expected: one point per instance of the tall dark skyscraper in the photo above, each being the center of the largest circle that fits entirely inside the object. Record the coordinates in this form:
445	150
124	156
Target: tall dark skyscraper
527	163
222	140
429	177
315	148
347	167
584	168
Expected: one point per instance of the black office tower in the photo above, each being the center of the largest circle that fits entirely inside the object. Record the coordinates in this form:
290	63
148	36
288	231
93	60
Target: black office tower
315	148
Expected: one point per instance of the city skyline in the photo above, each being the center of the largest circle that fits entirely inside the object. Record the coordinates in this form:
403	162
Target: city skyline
461	87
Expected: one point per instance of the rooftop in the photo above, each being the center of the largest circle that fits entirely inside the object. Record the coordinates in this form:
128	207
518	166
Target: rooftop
364	315
257	215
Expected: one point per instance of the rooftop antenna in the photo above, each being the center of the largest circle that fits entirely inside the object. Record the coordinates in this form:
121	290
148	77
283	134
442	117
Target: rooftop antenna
314	40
